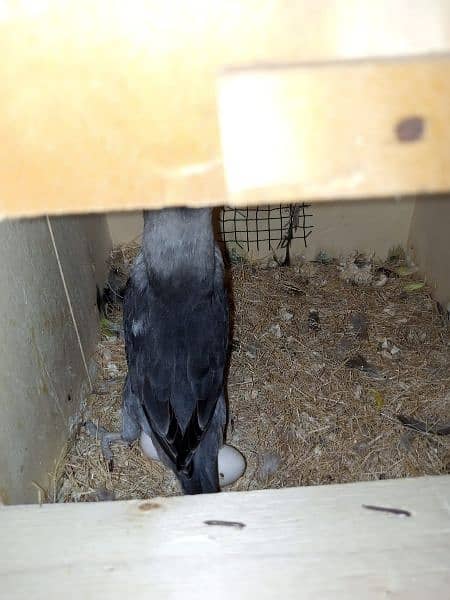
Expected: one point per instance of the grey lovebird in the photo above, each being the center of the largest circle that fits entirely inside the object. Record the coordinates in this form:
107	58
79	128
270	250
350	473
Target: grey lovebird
176	339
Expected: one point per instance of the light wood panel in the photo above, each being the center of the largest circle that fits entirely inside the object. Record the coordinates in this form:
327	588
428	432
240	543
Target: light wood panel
317	542
108	105
336	130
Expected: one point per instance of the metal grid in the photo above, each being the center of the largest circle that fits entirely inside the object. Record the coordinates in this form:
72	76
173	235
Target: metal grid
276	226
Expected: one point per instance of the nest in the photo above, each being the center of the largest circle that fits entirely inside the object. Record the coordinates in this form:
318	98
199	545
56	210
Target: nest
322	373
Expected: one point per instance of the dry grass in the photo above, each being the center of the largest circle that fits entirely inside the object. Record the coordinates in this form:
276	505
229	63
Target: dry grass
297	412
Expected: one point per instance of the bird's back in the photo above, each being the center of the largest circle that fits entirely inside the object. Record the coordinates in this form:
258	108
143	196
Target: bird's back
176	334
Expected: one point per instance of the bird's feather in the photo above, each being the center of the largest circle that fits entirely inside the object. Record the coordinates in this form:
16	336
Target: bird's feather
176	350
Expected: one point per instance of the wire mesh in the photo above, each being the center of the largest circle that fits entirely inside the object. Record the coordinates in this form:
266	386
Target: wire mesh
276	225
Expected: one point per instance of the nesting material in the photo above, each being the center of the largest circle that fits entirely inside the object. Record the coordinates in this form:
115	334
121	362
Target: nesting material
357	268
308	405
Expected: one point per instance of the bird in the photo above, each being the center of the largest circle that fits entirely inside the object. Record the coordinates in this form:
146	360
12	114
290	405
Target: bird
176	330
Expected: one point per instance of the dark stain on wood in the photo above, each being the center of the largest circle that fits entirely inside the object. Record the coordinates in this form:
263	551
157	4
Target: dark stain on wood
218	523
400	512
410	129
146	506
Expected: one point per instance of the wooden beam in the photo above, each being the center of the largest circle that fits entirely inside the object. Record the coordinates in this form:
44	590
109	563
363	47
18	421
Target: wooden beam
112	106
314	542
336	130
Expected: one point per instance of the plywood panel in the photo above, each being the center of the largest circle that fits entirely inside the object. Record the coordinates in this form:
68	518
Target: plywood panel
429	242
317	542
43	379
112	106
42	376
71	238
336	130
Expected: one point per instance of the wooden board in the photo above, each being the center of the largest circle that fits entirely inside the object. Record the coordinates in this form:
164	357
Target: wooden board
336	130
112	105
317	542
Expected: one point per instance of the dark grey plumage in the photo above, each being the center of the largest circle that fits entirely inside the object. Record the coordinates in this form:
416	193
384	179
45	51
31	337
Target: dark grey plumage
176	337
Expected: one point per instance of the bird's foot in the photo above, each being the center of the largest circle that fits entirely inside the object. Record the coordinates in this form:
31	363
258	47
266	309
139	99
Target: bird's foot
106	438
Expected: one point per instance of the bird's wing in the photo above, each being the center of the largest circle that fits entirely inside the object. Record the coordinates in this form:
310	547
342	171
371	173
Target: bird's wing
176	356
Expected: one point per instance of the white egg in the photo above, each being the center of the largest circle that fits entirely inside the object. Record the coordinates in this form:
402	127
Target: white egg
147	447
231	463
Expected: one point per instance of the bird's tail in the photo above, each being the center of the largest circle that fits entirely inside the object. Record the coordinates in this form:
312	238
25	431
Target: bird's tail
204	475
198	484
